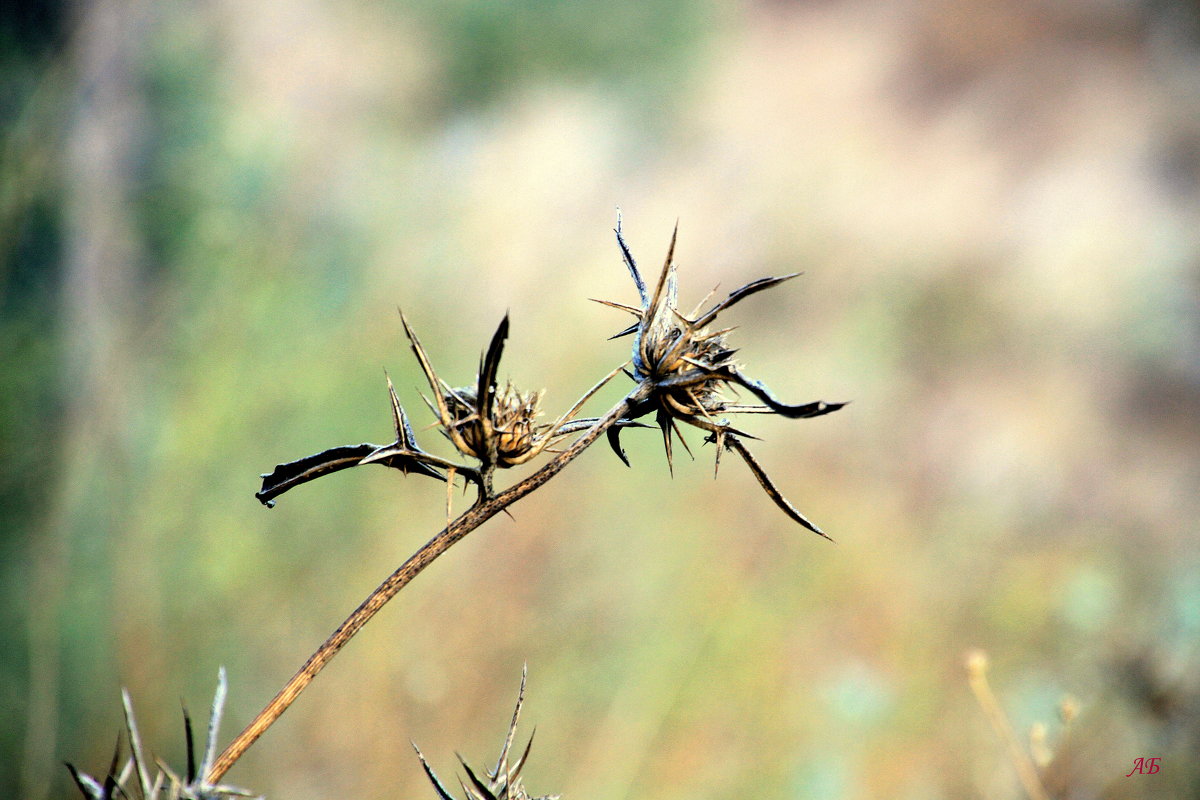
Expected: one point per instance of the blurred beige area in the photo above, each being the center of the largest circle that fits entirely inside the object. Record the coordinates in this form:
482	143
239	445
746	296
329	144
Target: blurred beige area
211	211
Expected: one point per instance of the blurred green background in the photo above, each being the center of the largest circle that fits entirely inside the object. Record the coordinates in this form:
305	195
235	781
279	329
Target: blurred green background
209	212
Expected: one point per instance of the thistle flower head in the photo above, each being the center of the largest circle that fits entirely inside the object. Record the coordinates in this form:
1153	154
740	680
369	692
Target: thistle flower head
689	370
497	425
513	422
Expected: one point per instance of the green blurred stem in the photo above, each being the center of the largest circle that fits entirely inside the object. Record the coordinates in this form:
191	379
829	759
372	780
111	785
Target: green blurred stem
470	520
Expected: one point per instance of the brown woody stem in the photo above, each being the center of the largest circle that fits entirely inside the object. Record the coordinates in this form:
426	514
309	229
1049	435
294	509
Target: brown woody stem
460	527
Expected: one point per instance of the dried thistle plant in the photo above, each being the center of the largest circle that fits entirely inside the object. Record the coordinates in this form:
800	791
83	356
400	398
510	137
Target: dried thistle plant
496	426
682	372
134	781
689	368
503	782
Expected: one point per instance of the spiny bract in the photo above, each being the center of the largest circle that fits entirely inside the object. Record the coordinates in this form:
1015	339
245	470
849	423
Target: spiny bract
501	783
137	778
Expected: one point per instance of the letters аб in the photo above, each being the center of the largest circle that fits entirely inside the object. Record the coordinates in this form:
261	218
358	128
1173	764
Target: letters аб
1145	766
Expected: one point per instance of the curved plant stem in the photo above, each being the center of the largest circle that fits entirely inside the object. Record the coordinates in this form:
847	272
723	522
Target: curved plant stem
460	527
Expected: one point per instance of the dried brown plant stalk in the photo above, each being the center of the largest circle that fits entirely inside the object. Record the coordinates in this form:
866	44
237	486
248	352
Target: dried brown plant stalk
681	371
464	524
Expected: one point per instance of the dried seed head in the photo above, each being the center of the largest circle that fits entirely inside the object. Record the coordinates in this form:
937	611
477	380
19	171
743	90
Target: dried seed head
491	423
513	422
674	352
685	369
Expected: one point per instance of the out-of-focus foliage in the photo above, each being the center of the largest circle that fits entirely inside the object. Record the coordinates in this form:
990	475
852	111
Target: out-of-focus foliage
486	51
209	213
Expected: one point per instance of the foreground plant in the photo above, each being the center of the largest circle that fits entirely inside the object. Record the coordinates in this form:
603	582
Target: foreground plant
501	783
139	778
682	373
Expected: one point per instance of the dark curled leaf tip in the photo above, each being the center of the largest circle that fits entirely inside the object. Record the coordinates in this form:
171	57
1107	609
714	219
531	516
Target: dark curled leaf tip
735	444
302	470
802	411
614	441
488	369
292	474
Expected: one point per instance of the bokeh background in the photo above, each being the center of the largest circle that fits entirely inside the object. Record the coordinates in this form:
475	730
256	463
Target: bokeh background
209	212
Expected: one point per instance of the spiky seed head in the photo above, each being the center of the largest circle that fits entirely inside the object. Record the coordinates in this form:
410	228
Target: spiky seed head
675	348
514	416
685	367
